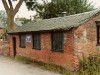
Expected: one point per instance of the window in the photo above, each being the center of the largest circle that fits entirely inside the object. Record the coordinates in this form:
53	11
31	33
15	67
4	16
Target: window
98	34
57	41
36	41
22	41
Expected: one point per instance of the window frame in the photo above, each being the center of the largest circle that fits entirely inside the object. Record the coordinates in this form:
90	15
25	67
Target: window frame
98	32
98	40
52	47
21	41
39	41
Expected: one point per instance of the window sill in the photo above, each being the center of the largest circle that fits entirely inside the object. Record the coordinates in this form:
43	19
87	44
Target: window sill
62	51
22	47
36	48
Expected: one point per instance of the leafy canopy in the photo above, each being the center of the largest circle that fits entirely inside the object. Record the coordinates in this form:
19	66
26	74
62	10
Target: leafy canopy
24	20
55	8
3	17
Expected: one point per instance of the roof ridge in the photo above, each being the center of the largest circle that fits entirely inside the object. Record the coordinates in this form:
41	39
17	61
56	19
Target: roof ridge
73	14
66	22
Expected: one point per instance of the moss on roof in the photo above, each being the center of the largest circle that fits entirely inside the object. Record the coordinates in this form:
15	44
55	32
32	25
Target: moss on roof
64	23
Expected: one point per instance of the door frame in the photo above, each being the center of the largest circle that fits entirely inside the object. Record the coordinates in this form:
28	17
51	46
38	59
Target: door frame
14	46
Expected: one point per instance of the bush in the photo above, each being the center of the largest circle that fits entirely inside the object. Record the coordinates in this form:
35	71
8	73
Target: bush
90	65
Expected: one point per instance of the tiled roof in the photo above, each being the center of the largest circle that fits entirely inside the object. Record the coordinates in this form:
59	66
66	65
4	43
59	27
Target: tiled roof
64	23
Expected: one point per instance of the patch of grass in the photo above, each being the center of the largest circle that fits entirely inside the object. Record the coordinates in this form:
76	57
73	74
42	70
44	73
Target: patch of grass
25	60
50	66
90	66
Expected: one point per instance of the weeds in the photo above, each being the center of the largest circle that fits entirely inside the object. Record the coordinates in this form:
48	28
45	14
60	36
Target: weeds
50	66
88	66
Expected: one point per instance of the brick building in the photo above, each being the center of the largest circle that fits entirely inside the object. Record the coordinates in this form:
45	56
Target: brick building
59	40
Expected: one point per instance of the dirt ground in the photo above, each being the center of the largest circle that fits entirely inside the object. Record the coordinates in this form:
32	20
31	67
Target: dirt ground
11	67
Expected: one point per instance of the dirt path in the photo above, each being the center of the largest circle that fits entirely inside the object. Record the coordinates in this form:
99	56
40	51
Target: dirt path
10	67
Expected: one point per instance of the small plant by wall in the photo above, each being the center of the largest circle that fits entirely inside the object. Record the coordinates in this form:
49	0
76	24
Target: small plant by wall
90	66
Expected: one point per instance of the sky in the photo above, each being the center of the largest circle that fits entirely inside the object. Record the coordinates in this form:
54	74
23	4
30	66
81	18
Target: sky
23	11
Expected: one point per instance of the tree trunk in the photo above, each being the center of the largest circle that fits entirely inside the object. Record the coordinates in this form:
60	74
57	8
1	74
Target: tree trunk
10	21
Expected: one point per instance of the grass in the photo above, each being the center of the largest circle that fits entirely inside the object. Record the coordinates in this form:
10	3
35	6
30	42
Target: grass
88	66
50	66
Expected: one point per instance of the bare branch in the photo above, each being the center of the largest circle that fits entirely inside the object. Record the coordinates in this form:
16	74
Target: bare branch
10	4
18	6
5	5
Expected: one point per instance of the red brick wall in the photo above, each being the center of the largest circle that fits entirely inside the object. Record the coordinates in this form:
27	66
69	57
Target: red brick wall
85	38
4	48
65	59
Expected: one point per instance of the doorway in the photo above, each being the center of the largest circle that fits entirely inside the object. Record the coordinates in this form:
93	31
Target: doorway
14	46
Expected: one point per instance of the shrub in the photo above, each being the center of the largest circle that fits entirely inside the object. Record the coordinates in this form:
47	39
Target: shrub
90	66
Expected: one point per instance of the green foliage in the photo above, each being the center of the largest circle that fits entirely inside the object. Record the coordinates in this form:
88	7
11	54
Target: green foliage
31	4
3	20
3	17
24	59
51	67
56	7
24	20
90	66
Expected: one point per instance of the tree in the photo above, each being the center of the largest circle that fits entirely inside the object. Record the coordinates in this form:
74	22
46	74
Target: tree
56	7
11	11
24	20
3	20
3	17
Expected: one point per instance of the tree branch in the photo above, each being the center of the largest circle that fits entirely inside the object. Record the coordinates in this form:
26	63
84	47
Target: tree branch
18	6
5	5
10	4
